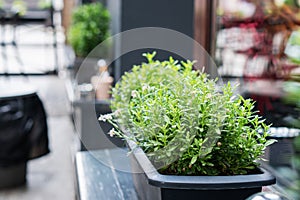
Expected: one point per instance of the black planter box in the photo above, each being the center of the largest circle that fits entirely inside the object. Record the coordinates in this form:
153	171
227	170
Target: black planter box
150	184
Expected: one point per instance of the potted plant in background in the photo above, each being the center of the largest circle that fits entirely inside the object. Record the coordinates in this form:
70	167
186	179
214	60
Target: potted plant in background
189	137
90	82
89	27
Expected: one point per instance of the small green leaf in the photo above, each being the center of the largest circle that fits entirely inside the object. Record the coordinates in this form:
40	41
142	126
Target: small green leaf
167	119
270	141
194	159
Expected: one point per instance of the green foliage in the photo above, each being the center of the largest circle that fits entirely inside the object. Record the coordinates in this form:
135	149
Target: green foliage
293	173
292	92
90	27
44	4
19	6
292	96
172	111
292	48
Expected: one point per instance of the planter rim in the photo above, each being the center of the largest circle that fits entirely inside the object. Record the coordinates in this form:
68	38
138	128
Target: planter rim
198	182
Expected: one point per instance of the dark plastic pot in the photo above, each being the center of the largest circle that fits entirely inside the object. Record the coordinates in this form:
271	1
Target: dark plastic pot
150	184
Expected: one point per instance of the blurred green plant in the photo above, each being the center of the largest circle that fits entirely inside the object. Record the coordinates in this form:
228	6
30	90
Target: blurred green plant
90	27
292	91
20	6
292	49
44	4
294	189
162	103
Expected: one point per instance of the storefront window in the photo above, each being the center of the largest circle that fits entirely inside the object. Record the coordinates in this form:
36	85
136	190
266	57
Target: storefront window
258	43
255	37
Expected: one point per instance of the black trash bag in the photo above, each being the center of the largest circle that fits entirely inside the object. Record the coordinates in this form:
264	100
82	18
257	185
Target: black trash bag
14	129
23	130
38	135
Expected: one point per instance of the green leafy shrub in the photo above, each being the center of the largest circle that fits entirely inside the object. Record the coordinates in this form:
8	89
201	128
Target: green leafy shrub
44	4
90	27
172	111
